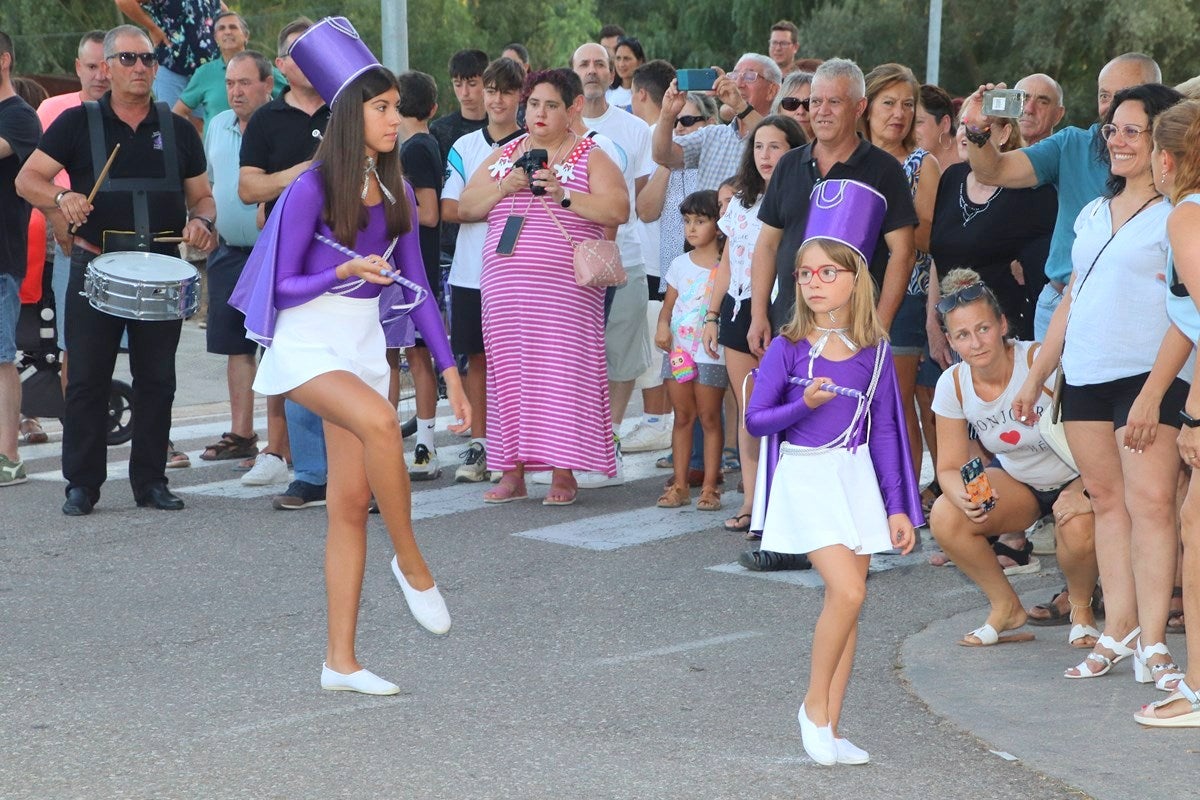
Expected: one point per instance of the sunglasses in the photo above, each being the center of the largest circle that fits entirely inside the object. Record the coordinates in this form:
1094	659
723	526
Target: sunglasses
792	103
688	120
967	294
128	59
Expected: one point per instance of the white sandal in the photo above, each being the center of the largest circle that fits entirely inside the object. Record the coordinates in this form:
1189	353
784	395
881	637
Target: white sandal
1190	719
1079	630
1120	650
1159	674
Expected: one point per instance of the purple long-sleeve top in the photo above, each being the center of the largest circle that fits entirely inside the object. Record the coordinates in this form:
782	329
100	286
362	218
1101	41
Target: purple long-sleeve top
777	406
306	268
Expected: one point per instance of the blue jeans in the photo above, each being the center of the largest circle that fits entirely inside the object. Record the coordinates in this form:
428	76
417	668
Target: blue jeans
308	444
1047	302
10	309
168	86
58	282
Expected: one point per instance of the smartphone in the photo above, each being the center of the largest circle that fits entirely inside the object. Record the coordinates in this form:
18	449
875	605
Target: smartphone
979	488
510	234
695	80
1009	103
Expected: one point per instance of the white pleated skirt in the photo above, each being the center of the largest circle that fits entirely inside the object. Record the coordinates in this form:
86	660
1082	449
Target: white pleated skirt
824	498
326	334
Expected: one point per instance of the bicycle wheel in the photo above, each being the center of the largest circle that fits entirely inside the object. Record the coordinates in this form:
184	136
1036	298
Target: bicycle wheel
406	406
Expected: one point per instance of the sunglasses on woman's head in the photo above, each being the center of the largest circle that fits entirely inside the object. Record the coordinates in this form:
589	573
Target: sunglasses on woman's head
967	294
128	59
792	103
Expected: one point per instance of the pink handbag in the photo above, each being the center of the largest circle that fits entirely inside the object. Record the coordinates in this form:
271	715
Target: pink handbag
597	261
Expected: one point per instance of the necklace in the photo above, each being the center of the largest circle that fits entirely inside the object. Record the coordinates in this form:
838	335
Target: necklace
823	339
368	171
971	210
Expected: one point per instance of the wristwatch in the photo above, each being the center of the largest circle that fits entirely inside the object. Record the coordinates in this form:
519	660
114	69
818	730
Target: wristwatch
208	223
1188	420
58	197
745	112
566	201
978	136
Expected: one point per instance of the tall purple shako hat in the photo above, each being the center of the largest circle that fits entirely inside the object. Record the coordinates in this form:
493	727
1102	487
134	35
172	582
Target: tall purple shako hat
331	54
848	212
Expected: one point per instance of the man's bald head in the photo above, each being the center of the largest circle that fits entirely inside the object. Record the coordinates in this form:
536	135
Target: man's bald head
1128	69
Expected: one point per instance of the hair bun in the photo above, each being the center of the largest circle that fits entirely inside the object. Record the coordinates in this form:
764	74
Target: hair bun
959	278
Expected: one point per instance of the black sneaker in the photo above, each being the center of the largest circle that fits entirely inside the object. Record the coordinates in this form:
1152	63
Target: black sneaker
768	561
299	494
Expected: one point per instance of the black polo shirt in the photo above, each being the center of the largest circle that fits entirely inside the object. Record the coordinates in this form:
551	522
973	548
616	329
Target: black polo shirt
141	156
19	127
279	136
785	206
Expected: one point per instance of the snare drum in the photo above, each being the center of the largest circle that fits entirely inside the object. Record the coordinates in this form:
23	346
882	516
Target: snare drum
142	286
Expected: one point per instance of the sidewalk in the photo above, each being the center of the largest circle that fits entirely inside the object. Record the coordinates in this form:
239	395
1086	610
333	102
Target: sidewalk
1014	698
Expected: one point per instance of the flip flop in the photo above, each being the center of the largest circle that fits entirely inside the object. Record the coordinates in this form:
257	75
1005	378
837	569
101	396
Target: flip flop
987	637
739	526
560	489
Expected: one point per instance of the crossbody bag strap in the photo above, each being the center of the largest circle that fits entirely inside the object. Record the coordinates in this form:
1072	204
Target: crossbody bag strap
558	224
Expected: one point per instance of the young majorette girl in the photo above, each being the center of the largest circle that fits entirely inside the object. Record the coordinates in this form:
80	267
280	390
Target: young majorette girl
696	378
843	486
316	303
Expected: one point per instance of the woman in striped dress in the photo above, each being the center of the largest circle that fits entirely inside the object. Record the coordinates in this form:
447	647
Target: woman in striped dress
547	388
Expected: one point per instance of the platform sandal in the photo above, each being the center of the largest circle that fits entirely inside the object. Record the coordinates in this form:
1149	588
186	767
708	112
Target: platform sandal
1120	650
1165	676
1148	715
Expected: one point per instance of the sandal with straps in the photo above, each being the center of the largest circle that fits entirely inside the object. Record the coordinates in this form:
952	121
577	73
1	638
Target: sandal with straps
675	496
710	500
1120	650
1148	715
231	447
1164	676
1079	631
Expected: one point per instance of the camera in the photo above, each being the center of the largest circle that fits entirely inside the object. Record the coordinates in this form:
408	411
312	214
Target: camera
1007	103
531	162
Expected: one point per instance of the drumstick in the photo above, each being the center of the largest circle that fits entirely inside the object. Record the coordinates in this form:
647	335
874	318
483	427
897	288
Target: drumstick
828	387
100	179
168	239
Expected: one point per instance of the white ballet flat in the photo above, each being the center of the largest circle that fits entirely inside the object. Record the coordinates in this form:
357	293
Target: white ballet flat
818	741
850	753
427	607
363	681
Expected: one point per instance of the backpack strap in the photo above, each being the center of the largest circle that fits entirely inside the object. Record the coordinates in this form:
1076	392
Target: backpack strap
957	385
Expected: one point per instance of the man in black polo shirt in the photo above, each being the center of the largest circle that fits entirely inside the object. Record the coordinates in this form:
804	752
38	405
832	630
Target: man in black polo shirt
838	100
157	186
278	145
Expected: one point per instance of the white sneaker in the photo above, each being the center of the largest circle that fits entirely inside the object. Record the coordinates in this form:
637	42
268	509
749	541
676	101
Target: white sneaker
648	438
598	480
1042	535
425	465
268	469
474	468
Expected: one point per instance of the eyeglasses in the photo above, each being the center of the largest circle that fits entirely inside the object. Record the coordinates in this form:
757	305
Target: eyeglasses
827	274
967	294
1128	132
128	59
792	103
688	120
781	43
747	75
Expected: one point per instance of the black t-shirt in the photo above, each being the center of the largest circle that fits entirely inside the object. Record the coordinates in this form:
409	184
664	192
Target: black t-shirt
785	206
141	156
449	128
423	167
279	136
1014	224
19	127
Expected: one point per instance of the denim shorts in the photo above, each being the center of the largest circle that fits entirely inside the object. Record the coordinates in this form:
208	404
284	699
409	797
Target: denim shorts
908	337
10	309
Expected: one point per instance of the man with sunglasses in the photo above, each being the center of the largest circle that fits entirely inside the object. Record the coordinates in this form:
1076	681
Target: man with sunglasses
716	149
157	187
1073	160
181	33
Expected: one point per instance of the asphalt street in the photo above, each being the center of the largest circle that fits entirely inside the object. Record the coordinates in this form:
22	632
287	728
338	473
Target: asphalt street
603	650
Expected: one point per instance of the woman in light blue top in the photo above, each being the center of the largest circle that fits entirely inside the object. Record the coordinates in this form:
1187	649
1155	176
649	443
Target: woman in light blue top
1175	161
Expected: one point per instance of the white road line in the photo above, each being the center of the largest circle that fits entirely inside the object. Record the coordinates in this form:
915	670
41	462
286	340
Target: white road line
375	704
810	578
684	647
625	528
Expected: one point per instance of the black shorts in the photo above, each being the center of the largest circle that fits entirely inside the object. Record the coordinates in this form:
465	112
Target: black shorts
466	321
1045	497
1111	401
732	332
226	332
653	282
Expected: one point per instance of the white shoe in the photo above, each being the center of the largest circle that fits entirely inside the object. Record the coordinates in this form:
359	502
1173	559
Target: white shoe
1042	535
427	606
648	438
425	465
268	469
598	480
850	753
818	741
363	681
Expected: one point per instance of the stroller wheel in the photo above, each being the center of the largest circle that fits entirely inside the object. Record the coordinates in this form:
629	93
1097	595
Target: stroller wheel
120	413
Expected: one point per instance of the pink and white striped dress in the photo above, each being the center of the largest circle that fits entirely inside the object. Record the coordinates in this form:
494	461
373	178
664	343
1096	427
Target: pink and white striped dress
543	334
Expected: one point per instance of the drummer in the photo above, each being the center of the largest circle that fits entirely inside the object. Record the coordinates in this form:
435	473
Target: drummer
157	187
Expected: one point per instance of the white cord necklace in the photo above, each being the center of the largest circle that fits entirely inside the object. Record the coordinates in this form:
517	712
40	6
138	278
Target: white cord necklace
971	210
368	171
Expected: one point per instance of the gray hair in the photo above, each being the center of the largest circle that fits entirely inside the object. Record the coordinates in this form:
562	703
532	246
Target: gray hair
706	104
1055	85
843	68
110	38
791	82
767	68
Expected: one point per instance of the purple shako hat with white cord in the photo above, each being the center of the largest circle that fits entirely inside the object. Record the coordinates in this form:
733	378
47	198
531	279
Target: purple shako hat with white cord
331	54
846	211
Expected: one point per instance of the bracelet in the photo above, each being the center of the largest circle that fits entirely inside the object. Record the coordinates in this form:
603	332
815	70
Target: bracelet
58	197
978	136
708	321
745	112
